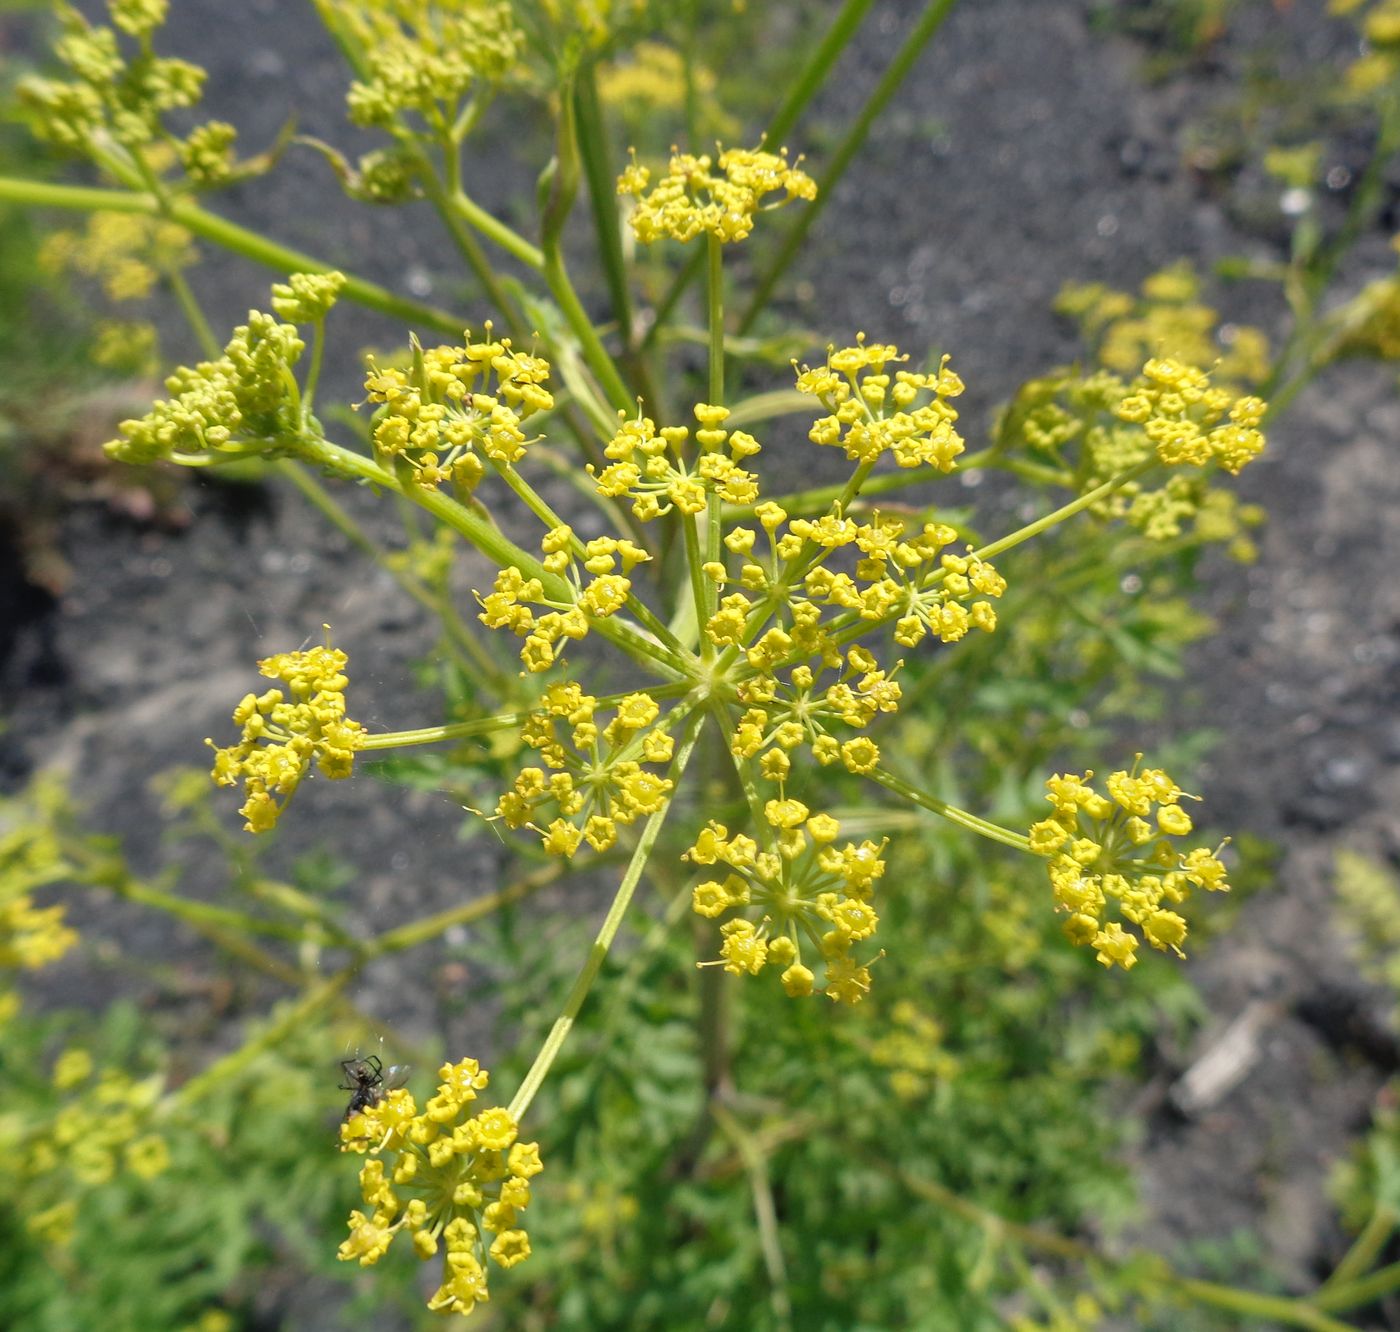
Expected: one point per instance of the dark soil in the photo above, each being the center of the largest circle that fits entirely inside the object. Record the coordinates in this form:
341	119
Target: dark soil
1027	149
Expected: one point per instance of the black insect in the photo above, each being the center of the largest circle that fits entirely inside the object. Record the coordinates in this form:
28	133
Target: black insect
367	1082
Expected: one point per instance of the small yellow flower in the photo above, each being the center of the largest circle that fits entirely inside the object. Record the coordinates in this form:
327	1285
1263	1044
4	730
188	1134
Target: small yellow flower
1117	858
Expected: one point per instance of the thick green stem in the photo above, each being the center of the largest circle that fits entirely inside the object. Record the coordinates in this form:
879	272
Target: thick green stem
814	73
994	831
431	927
564	1023
457	633
292	1020
928	23
511	241
502	721
713	504
532	500
1364	1290
1374	1236
487	539
800	93
602	195
230	236
594	353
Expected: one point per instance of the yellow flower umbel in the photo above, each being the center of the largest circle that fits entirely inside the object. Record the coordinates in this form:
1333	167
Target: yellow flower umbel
98	1130
1122	848
283	737
456	1182
1096	427
597	781
108	94
693	199
127	252
1188	422
805	890
424	59
30	857
1169	314
442	419
608	560
660	471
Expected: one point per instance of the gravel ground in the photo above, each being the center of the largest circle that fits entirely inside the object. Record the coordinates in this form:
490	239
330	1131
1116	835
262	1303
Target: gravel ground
1027	149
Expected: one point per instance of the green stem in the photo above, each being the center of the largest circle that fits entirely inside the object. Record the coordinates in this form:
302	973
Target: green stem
1065	511
292	1020
487	539
602	195
594	353
457	633
1364	1290
1374	1236
511	241
713	504
442	200
431	927
800	93
927	24
501	721
814	73
1278	1308
230	236
765	1213
204	915
563	1024
994	831
194	316
766	406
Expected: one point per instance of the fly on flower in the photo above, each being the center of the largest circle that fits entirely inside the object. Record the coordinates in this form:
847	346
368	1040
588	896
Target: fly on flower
367	1082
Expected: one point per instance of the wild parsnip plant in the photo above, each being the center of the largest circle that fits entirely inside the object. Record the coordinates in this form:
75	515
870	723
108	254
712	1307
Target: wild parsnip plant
766	640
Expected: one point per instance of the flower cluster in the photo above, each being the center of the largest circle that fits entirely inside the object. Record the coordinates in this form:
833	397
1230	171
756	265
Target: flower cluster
508	604
908	578
440	416
1096	427
910	1046
692	198
108	94
424	59
97	1131
596	782
30	857
1125	330
785	714
127	252
282	737
870	417
32	936
1379	61
1120	848
1189	423
807	889
456	1181
648	466
245	402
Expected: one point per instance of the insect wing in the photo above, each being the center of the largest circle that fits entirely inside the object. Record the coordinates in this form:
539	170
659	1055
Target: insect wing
396	1076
